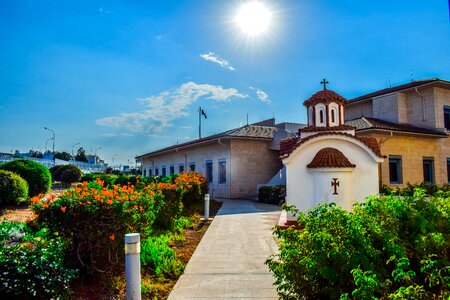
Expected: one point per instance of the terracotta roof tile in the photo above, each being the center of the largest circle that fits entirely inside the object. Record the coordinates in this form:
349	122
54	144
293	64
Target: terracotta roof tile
330	158
287	146
325	96
329	128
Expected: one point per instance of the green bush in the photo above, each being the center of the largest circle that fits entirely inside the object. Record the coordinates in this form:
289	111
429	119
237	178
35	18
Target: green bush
157	256
108	179
38	177
172	206
32	264
272	194
13	188
430	189
390	247
71	175
56	172
195	186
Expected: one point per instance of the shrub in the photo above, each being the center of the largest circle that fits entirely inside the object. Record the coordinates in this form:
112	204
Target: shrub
157	256
71	175
108	179
38	177
389	247
111	212
430	189
195	186
272	194
56	172
13	188
172	205
32	264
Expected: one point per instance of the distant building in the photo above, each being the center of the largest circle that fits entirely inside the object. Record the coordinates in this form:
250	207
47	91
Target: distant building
234	161
411	123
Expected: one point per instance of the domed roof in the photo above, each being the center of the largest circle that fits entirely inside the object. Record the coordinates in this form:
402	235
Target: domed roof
330	158
325	96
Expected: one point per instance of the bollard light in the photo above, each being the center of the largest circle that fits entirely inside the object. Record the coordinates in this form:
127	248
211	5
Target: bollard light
206	215
133	265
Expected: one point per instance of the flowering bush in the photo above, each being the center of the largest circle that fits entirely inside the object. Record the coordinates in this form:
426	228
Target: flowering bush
388	247
95	219
194	185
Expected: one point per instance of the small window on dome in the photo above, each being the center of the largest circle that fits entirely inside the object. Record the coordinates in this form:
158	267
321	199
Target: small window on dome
332	115
321	116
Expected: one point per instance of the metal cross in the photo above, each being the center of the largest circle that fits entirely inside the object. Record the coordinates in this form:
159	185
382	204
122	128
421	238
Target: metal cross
335	184
324	82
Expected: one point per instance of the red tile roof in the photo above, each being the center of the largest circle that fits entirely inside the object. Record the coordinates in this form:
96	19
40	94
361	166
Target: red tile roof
330	158
287	146
325	96
328	128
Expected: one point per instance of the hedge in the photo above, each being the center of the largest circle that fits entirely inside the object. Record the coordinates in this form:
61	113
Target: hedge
38	177
272	194
13	188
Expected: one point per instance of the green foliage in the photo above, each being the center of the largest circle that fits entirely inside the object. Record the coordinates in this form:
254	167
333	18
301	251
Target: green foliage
32	264
429	189
172	206
37	176
63	156
73	173
157	256
13	188
272	194
81	155
390	247
108	179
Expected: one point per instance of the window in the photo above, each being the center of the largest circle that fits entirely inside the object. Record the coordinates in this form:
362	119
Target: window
428	170
447	117
180	168
222	171
150	172
192	167
321	116
333	111
448	170
156	171
145	173
163	171
172	170
209	171
395	169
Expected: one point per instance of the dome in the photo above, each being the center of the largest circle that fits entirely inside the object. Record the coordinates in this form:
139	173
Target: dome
330	158
325	96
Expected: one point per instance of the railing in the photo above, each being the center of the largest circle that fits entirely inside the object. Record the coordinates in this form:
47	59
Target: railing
85	167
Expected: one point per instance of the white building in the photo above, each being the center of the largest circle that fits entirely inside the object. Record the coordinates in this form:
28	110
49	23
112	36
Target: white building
327	162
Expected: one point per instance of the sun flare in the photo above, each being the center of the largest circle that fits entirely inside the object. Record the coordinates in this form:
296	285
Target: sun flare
253	18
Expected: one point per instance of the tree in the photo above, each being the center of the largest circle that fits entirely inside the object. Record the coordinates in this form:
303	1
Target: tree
37	154
63	156
81	155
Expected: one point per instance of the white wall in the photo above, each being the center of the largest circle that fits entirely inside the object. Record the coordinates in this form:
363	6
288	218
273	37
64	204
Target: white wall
306	187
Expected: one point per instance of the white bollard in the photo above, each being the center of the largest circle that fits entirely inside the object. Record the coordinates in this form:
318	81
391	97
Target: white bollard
133	265
206	215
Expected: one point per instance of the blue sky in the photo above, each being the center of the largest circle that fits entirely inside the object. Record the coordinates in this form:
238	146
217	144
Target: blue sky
128	76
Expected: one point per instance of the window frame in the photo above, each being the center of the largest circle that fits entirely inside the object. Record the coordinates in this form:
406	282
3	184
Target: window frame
222	172
180	168
430	162
156	171
163	171
192	167
397	160
448	169
446	111
209	173
171	169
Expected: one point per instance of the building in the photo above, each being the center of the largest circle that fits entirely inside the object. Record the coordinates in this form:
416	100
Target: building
235	162
411	123
327	162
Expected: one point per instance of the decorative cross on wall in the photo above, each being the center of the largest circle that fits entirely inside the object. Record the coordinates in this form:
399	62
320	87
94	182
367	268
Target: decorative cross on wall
335	184
324	82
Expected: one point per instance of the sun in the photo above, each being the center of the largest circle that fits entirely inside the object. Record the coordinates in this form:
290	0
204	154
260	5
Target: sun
253	18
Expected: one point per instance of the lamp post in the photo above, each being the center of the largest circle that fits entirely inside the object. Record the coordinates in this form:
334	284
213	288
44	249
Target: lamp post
73	158
47	142
114	156
96	158
54	158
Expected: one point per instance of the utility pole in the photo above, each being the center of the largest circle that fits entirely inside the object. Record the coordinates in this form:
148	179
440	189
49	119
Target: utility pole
54	158
200	113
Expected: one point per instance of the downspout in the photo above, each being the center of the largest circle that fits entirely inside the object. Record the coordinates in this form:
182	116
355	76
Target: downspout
423	103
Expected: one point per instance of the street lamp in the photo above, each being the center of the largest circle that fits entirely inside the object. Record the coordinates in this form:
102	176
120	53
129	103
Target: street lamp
114	156
73	158
47	142
95	152
54	158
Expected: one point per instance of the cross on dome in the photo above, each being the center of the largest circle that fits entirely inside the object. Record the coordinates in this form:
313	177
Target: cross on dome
324	82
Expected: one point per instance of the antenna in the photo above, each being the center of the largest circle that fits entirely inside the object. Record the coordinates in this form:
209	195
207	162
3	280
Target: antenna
389	79
412	78
247	119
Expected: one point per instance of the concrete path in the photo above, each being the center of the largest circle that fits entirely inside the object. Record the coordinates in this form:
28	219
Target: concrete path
229	261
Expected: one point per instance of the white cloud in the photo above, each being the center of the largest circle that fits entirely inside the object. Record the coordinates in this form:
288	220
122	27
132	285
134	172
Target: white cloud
261	95
166	107
211	56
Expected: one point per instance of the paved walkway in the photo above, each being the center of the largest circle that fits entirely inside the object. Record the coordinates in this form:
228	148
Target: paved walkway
229	261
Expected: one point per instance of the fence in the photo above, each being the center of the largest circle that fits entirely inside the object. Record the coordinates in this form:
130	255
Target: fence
85	167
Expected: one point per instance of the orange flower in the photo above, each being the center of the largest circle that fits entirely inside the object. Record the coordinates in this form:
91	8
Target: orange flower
141	208
78	190
35	199
63	209
35	216
112	237
45	205
109	202
85	183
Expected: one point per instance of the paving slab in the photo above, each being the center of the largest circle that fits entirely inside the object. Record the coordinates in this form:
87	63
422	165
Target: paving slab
229	261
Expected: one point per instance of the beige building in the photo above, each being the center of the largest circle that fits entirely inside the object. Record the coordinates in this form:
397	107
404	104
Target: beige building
235	162
411	123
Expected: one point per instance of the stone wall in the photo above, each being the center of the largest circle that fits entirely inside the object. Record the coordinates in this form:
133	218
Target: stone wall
358	109
252	163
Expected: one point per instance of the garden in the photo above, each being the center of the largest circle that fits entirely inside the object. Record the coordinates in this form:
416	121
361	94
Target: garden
72	246
395	245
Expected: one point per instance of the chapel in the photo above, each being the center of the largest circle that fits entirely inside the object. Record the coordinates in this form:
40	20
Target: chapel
327	162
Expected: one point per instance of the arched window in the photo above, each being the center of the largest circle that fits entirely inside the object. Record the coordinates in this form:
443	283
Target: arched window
332	115
321	116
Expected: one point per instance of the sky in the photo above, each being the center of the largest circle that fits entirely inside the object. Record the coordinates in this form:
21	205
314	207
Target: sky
123	78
